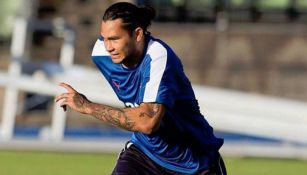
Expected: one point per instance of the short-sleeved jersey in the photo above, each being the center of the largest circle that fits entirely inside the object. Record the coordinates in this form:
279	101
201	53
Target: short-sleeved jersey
184	139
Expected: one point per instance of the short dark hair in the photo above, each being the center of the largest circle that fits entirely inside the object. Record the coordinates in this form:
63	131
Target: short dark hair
132	15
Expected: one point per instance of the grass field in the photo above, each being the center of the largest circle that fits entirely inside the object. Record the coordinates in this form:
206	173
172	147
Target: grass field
38	163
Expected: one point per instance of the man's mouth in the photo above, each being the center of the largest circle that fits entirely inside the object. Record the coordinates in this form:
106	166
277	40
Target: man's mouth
114	55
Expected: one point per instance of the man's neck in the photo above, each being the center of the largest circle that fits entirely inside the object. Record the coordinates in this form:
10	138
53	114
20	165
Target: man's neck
136	57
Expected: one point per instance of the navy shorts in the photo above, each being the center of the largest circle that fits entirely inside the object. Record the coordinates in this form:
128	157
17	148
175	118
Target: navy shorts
132	161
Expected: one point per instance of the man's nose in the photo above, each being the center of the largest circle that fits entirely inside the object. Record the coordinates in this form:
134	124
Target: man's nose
109	46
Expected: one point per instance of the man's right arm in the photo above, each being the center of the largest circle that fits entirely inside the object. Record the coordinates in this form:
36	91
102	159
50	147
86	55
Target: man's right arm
145	118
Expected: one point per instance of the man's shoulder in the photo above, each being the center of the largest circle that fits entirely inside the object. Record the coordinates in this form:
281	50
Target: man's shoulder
99	49
157	48
100	56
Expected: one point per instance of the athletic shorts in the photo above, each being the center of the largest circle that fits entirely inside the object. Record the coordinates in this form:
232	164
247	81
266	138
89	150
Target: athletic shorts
132	161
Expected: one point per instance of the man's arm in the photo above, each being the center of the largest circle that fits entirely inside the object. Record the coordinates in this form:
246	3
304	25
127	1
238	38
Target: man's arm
145	118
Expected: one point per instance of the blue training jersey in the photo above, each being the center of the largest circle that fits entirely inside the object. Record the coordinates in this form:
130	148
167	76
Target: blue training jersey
184	139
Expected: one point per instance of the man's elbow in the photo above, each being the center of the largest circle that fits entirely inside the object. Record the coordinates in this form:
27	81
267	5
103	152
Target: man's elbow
150	128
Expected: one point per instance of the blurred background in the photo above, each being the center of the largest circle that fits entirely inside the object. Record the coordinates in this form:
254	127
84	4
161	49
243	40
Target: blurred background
246	59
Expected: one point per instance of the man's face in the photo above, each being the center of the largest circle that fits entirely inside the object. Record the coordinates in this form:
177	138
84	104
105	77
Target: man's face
117	40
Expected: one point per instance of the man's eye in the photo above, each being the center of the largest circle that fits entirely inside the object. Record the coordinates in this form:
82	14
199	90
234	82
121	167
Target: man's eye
115	41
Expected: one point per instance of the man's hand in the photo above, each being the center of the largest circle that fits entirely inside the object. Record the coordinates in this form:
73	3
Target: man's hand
76	101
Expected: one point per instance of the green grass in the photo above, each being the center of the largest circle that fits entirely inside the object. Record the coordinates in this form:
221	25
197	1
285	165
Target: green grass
257	166
37	163
43	163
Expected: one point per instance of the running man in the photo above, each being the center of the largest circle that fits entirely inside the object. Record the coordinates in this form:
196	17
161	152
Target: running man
169	134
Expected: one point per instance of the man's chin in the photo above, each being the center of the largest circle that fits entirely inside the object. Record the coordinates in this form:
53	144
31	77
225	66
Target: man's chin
117	60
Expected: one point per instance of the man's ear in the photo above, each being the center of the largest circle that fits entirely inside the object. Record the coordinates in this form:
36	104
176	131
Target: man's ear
139	34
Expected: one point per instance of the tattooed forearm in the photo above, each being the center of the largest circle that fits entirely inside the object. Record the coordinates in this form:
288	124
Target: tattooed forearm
151	113
114	116
145	118
80	100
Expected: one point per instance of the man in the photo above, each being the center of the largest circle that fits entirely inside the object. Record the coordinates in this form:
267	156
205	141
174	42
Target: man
169	134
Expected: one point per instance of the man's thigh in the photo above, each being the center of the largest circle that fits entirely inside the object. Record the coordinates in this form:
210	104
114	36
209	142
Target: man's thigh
132	161
216	168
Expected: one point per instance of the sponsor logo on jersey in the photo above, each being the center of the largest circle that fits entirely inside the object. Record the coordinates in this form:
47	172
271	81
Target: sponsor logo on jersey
116	84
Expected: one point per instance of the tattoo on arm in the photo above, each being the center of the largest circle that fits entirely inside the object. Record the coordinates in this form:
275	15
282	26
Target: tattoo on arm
115	117
79	100
119	118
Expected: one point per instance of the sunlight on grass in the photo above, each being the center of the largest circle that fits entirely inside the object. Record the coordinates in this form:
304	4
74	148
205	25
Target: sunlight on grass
48	163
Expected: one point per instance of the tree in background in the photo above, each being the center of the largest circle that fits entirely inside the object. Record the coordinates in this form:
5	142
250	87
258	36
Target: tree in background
8	9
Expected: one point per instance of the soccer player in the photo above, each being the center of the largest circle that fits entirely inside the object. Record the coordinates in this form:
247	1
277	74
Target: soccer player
169	134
